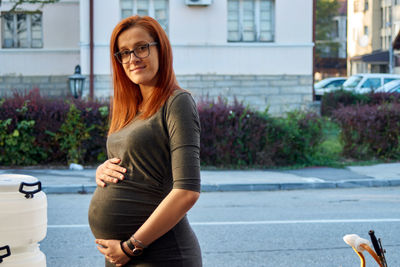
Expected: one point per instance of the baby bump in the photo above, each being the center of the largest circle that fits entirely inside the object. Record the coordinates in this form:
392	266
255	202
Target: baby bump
118	210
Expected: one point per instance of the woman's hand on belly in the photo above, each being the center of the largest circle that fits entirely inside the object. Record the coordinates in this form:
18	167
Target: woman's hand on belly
112	251
109	171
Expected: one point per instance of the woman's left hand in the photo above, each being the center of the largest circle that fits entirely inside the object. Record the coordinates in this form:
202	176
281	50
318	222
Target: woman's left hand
112	251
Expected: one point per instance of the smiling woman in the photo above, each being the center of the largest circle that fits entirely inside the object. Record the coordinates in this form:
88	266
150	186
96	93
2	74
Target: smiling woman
152	176
140	69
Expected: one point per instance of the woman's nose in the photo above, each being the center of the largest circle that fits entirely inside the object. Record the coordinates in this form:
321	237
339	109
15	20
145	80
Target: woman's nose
133	58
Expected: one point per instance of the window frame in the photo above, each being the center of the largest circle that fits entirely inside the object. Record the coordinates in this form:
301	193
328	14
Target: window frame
151	11
28	29
257	23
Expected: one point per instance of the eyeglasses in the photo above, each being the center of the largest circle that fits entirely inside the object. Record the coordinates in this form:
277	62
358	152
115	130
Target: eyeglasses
142	51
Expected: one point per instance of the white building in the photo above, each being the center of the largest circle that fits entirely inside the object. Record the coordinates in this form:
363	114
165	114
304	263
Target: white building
38	50
372	28
257	50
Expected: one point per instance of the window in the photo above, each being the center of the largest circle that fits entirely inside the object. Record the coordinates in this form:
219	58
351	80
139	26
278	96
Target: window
336	84
353	81
366	30
372	83
157	9
250	21
366	5
335	32
22	30
386	80
358	6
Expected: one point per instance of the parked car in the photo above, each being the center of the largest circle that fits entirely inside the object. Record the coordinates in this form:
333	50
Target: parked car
390	87
328	85
367	82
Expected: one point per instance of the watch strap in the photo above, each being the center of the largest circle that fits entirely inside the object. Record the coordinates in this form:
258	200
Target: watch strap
140	243
130	245
123	250
136	250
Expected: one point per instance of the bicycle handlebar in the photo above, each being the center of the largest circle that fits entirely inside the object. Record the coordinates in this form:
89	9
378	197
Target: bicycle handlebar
375	243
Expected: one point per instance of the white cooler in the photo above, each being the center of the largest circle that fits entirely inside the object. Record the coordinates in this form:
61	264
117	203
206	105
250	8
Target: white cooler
23	221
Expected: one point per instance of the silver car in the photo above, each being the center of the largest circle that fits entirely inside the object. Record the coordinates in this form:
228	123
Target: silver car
327	85
390	87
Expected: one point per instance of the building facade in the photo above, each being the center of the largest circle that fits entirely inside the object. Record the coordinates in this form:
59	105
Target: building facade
39	47
332	62
259	51
372	28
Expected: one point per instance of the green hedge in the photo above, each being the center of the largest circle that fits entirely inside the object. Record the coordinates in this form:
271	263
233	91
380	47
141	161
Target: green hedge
38	130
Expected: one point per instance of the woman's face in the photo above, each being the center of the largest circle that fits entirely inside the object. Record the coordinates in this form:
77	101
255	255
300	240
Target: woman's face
142	71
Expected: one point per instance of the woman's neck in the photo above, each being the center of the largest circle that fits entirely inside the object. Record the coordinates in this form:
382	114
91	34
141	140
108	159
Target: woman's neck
146	92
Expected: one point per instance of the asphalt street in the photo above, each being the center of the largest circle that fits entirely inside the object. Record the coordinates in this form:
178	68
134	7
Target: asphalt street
280	228
248	217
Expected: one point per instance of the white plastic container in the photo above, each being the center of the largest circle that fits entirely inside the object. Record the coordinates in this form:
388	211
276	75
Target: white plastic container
23	216
25	256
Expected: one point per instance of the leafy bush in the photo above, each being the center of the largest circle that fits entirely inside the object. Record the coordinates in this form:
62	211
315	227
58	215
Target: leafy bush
46	117
18	142
292	140
370	131
41	130
381	98
95	116
231	134
71	135
340	98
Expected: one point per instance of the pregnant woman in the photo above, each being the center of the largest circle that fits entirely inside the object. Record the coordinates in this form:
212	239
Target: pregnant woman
152	177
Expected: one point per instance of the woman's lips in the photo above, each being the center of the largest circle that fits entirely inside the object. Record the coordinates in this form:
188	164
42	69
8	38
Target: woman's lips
137	69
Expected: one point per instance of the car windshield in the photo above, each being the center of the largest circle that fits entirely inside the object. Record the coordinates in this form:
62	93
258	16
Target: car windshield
321	84
392	85
352	81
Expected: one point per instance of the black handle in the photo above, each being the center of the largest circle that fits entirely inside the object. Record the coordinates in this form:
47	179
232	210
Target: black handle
29	194
375	243
8	253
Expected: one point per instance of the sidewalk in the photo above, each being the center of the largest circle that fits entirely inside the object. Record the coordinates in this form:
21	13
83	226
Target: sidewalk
72	181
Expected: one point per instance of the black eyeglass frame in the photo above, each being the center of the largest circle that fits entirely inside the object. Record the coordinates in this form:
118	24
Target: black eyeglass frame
117	55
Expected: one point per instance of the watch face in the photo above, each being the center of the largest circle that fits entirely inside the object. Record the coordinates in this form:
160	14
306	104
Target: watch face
137	251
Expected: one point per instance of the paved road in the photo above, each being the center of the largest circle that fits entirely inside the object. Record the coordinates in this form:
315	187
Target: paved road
280	228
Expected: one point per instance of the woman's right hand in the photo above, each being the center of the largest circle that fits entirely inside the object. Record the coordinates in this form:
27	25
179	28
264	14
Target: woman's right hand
109	171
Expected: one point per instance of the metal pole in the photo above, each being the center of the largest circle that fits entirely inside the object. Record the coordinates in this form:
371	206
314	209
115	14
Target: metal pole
313	40
91	78
390	38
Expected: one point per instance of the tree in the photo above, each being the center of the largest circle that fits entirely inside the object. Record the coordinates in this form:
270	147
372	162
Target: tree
18	3
326	10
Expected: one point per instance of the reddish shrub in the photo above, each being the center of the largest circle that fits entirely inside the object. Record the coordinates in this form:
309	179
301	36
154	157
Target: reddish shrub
370	131
231	134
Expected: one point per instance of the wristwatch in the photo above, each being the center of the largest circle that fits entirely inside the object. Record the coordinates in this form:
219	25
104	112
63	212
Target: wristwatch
136	251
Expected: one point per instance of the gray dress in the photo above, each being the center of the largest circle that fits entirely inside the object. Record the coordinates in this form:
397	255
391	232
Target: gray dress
160	153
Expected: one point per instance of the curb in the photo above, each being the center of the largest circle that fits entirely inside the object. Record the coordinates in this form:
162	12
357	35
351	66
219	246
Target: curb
69	189
88	189
300	186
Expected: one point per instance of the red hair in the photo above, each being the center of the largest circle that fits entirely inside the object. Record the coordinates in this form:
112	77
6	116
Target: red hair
127	95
